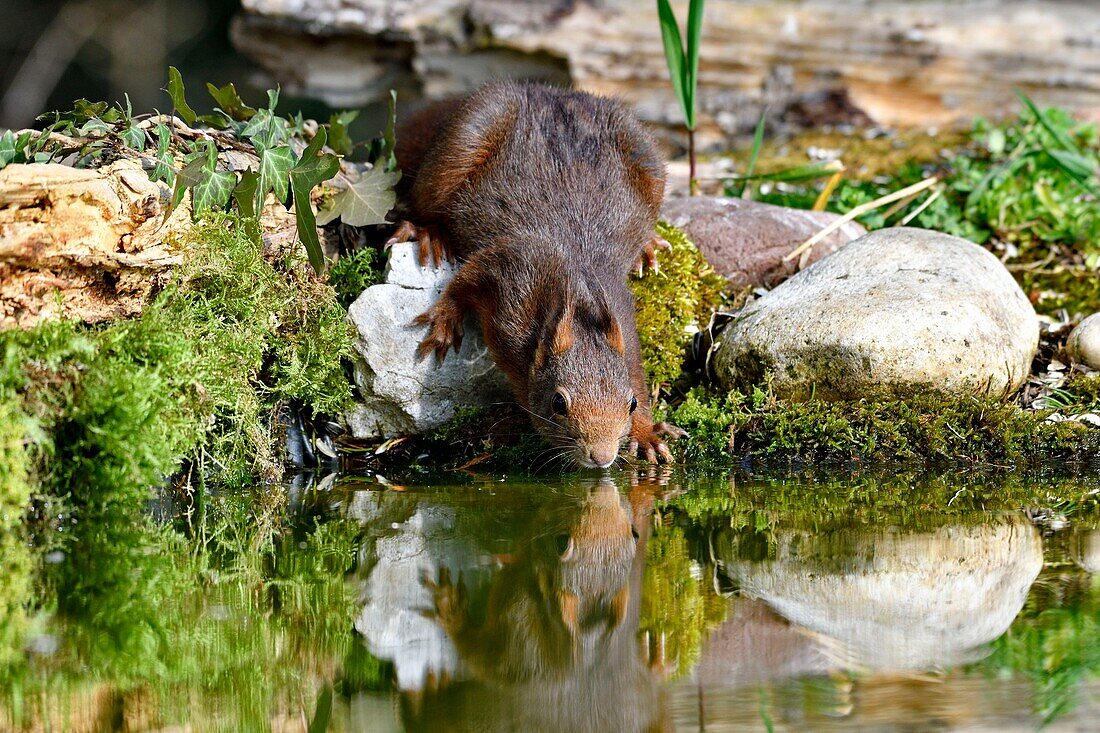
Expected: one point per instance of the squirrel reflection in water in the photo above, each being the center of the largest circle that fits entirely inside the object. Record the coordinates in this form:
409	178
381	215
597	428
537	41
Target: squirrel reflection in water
557	648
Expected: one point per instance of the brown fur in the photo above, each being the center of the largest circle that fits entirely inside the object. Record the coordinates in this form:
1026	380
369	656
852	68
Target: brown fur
548	198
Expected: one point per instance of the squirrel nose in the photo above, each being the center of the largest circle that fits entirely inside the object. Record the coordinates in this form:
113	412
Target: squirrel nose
603	456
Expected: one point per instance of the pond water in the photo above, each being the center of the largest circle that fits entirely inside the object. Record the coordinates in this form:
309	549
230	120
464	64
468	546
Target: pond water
634	601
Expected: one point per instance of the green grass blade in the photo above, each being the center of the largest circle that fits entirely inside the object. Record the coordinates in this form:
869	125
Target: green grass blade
674	53
694	35
808	172
757	143
1063	140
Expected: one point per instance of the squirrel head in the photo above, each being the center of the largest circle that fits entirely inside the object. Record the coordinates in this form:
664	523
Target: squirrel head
579	390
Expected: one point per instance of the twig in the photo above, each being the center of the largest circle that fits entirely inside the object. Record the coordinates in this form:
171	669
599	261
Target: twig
859	210
916	212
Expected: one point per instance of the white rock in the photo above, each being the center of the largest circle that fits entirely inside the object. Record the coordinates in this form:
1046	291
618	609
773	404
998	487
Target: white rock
1083	345
401	394
896	309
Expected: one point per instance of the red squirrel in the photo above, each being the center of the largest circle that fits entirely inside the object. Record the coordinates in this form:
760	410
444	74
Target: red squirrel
547	198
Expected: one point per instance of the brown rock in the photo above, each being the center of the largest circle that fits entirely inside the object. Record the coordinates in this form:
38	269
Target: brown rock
746	241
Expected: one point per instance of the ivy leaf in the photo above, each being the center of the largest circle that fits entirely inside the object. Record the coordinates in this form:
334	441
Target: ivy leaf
245	193
265	130
212	192
275	165
163	170
195	169
179	98
338	138
365	202
7	148
230	102
133	137
313	168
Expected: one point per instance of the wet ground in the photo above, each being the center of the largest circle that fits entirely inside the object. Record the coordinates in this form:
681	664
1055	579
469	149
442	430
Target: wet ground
652	601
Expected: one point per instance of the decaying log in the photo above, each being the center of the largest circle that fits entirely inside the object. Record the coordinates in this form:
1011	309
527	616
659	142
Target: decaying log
899	62
92	245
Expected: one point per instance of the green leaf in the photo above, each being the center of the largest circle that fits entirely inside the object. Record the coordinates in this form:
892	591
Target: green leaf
133	137
196	168
694	36
338	138
389	137
1078	167
7	148
190	175
179	98
230	102
1059	135
163	170
265	130
275	165
322	714
245	193
314	167
365	202
757	144
674	52
212	192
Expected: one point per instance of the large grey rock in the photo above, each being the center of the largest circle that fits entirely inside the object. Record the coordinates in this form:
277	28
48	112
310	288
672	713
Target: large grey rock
891	599
746	241
895	310
401	394
1083	344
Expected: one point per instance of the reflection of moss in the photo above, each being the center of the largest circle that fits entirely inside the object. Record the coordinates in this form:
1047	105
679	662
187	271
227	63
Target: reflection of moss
14	494
1052	646
924	426
186	623
683	294
678	606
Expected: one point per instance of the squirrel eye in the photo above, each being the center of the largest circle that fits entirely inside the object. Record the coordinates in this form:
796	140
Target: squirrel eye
633	404
558	403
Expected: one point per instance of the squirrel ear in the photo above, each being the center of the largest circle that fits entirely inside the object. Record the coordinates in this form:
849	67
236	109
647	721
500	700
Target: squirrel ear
563	337
615	335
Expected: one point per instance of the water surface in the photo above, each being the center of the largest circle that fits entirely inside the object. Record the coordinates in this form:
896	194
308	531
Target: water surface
635	601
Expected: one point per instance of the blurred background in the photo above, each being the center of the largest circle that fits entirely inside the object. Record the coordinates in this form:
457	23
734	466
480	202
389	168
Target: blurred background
810	62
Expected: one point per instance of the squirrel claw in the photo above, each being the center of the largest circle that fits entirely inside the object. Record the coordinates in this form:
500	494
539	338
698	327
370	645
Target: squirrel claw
652	447
448	598
649	255
431	245
445	332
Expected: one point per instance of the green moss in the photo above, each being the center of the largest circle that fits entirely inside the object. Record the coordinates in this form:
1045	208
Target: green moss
673	303
921	427
198	374
355	272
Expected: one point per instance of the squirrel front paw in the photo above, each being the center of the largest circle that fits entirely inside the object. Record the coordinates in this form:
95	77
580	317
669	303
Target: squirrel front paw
649	254
647	443
448	600
431	244
445	330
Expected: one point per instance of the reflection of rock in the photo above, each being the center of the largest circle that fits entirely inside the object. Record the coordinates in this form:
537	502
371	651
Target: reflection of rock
394	599
754	644
1083	344
890	599
399	393
893	310
746	241
1086	549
